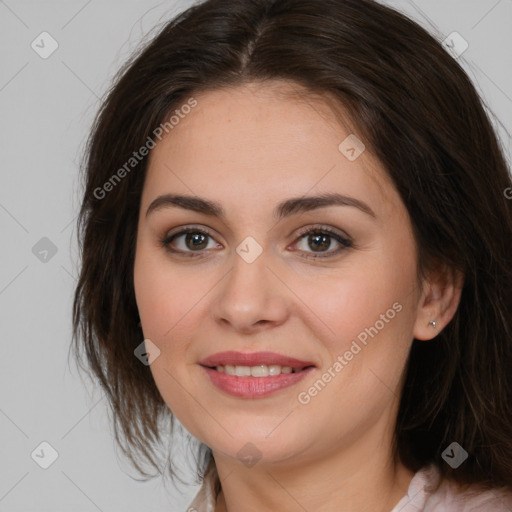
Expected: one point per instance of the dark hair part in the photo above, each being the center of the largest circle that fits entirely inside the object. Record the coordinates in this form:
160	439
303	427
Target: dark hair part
417	111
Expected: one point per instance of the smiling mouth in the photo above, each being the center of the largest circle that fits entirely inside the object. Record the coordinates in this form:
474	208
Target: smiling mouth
261	370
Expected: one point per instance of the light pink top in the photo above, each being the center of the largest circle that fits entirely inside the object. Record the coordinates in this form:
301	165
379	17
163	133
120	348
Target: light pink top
418	498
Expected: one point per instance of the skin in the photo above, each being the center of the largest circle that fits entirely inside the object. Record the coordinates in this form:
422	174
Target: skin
249	148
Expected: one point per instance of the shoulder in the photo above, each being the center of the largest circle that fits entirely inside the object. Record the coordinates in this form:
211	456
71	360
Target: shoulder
449	497
428	492
206	497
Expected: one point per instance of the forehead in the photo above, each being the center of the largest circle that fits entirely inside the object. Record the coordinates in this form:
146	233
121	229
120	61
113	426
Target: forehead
262	142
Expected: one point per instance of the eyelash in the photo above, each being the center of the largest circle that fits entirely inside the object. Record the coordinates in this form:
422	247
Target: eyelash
319	230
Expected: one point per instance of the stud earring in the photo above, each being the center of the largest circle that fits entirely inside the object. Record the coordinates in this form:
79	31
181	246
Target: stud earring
432	323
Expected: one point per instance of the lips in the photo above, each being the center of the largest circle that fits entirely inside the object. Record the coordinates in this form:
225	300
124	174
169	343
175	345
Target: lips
253	359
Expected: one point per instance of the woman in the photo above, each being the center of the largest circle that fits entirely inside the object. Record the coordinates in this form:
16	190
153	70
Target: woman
295	240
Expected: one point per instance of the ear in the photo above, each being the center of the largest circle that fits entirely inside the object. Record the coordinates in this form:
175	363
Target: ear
438	302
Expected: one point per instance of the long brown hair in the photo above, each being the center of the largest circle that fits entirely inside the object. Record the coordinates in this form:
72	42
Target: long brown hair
417	111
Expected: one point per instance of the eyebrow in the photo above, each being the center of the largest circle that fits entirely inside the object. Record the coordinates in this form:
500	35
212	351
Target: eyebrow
284	209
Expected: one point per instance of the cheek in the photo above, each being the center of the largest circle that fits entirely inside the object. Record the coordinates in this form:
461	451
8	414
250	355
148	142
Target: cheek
165	311
153	300
159	293
171	304
363	321
365	313
343	306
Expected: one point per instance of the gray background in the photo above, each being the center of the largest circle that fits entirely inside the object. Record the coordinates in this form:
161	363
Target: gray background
46	109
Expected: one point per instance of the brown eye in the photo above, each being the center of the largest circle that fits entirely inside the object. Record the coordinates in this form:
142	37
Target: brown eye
196	241
319	240
188	241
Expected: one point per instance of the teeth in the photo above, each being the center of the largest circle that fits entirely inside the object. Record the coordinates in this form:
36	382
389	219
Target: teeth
261	370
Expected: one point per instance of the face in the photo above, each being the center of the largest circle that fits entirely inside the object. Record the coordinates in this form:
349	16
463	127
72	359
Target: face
330	284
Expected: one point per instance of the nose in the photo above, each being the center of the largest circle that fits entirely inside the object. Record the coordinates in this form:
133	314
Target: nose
251	297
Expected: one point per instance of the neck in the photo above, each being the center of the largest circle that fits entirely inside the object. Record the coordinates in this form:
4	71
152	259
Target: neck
354	482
